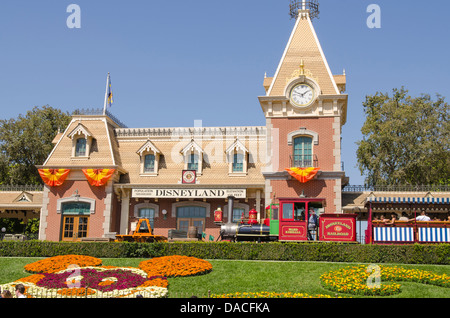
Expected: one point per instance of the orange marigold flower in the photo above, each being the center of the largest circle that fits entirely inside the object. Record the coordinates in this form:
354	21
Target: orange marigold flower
31	279
61	262
75	292
175	265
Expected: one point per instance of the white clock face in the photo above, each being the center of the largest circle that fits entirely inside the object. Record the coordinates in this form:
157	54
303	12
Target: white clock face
302	95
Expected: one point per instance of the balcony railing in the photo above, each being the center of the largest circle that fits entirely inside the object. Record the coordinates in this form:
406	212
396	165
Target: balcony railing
99	112
18	188
397	188
304	161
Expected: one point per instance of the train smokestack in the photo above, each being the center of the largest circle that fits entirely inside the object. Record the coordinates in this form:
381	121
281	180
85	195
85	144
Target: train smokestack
228	230
230	209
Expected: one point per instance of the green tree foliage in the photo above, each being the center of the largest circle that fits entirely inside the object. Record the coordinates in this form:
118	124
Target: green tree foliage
26	142
405	140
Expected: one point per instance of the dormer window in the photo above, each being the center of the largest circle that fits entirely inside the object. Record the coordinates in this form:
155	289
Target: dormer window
238	162
81	142
149	157
80	147
149	163
193	157
192	161
237	157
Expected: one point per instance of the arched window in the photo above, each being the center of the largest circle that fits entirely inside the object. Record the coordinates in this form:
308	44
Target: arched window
147	213
76	208
302	155
188	216
238	213
239	209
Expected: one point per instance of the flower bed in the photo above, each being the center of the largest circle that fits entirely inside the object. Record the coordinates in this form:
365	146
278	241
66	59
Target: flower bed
358	280
92	282
61	262
83	276
269	295
176	266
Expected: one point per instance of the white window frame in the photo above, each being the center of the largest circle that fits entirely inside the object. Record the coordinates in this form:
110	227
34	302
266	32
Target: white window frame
148	149
237	148
60	202
81	132
193	149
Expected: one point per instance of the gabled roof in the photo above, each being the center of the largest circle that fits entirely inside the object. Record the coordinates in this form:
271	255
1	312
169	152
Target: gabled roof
80	130
236	145
148	146
192	146
24	197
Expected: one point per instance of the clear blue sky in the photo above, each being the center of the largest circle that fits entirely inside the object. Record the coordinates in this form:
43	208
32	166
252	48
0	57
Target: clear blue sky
173	62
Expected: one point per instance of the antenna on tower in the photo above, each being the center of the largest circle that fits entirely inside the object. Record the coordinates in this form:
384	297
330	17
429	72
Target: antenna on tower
311	5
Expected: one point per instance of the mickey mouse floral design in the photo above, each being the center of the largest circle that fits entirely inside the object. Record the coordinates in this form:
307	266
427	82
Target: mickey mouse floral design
83	276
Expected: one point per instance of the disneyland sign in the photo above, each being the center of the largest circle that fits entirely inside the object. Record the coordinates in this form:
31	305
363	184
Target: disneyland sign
189	193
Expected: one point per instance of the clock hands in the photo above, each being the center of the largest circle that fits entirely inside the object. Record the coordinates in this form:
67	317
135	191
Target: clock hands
302	94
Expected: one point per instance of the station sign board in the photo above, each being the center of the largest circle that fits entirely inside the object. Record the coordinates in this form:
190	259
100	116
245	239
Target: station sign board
338	227
189	193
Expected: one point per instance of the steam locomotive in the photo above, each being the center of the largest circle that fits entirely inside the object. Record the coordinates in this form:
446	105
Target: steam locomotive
302	219
298	222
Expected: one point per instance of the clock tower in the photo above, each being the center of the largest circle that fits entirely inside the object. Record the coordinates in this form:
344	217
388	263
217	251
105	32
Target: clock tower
305	107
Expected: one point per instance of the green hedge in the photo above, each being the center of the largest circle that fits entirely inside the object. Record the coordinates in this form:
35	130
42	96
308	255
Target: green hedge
330	252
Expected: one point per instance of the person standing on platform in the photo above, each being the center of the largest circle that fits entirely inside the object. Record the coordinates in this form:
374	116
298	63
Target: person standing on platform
313	223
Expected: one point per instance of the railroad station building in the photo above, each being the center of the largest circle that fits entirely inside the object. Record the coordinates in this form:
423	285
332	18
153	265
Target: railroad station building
111	175
102	176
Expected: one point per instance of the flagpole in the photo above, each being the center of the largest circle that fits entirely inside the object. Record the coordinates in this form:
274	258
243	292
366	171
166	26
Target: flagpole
106	95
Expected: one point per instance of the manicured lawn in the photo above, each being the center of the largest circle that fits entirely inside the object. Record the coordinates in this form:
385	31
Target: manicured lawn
251	276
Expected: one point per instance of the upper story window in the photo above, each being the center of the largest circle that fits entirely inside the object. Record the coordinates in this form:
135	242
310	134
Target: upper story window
237	156
80	147
149	157
81	142
193	157
149	163
238	162
303	156
192	162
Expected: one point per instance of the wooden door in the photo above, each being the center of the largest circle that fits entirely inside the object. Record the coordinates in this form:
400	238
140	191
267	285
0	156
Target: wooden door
75	227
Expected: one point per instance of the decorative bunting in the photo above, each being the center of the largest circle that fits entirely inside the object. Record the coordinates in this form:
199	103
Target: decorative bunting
303	174
98	177
54	177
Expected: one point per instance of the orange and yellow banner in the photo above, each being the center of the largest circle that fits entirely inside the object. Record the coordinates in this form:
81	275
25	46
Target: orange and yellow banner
98	177
303	174
54	177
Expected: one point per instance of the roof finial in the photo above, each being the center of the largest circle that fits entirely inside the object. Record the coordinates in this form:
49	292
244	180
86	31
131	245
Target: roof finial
302	68
308	7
